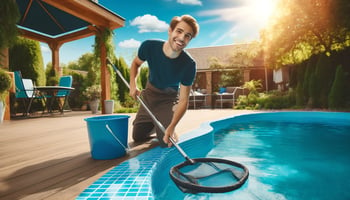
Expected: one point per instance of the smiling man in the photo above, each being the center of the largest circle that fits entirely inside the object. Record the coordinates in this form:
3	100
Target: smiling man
171	74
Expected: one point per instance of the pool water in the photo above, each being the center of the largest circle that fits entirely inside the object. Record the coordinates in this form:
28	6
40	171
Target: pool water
290	155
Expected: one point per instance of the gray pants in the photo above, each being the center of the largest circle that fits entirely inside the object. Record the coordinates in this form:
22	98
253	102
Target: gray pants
161	103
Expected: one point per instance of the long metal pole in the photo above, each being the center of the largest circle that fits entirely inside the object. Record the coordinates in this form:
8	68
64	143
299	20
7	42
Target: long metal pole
160	125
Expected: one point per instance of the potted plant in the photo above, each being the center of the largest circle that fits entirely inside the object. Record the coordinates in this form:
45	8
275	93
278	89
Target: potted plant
5	84
93	94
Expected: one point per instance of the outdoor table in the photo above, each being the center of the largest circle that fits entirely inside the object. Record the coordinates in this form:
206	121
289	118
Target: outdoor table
50	92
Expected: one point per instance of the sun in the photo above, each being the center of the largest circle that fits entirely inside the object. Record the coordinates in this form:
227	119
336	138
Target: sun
262	9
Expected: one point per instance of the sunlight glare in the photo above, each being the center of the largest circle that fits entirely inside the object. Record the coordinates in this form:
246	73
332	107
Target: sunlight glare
262	9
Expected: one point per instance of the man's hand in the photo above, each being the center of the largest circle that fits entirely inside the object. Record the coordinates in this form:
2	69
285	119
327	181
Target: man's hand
169	132
134	70
133	92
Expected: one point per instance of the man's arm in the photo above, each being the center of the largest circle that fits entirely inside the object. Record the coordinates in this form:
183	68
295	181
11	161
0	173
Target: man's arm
179	112
134	70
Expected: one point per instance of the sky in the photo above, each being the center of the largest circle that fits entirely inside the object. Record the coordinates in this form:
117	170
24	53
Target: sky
222	22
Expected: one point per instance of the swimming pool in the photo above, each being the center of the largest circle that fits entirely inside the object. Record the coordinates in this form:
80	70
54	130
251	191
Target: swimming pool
290	155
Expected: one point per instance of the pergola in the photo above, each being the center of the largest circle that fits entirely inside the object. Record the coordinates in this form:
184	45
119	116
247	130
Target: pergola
56	22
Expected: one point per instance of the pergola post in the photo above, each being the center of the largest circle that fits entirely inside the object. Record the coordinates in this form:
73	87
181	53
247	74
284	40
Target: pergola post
105	76
209	86
63	30
55	55
5	63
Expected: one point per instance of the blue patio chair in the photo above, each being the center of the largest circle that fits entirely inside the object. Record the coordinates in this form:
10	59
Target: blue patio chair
25	91
65	81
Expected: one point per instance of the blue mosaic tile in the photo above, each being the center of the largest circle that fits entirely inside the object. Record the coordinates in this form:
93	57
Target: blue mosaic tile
131	180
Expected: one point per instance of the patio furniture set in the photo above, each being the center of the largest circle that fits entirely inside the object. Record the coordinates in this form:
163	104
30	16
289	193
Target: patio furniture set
28	92
226	97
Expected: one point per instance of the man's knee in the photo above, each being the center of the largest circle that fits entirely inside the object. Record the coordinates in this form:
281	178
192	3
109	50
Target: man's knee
142	131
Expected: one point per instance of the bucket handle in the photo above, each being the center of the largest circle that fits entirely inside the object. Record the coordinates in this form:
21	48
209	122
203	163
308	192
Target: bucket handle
116	138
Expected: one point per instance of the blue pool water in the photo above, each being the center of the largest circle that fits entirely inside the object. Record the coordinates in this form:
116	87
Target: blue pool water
290	155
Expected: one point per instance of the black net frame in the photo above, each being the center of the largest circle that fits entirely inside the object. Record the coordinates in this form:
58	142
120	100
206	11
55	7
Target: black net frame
192	187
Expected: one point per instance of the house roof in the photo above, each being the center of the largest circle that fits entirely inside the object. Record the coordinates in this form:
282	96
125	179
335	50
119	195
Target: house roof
224	54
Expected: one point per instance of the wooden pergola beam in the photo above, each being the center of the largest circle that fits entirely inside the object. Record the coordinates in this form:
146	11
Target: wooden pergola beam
92	13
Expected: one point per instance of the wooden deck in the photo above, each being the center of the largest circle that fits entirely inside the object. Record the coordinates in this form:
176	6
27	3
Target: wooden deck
49	157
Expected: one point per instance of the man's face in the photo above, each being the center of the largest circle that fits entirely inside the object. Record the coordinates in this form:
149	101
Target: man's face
180	36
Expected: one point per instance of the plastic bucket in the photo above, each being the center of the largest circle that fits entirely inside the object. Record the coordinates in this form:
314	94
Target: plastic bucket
109	106
103	145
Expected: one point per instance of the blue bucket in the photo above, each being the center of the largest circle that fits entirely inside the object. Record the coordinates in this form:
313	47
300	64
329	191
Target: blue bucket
102	144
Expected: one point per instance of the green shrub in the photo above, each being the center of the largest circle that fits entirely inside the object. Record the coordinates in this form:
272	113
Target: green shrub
25	56
5	83
271	100
337	97
75	98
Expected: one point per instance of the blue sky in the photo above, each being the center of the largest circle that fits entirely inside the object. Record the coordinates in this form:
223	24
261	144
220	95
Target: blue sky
222	22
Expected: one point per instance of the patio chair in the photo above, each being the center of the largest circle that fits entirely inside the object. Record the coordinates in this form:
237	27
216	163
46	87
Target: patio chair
227	96
61	97
197	99
25	91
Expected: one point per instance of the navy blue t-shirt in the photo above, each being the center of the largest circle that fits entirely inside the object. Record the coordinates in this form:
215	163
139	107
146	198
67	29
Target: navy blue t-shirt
165	72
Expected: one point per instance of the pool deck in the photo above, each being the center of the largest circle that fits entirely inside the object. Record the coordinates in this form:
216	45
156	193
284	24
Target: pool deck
49	157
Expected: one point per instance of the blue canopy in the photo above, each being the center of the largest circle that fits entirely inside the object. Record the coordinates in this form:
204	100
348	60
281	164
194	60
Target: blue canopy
55	18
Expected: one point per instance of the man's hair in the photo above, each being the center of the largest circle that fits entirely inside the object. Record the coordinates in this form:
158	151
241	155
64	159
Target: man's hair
189	20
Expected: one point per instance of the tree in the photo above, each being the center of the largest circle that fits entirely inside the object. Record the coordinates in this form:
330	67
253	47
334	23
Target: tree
52	77
143	77
342	13
299	29
25	56
337	97
123	90
231	78
84	62
9	15
309	71
231	68
324	76
301	90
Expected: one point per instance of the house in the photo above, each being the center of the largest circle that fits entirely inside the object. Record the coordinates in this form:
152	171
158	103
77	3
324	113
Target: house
232	57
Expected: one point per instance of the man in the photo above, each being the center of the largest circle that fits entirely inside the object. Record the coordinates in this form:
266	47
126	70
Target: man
170	68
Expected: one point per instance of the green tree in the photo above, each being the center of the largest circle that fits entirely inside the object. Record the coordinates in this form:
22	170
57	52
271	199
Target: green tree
231	78
310	69
246	55
84	62
79	85
143	77
123	90
314	101
301	92
299	97
73	65
51	75
253	86
337	97
342	13
9	15
324	77
299	29
25	56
